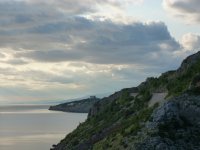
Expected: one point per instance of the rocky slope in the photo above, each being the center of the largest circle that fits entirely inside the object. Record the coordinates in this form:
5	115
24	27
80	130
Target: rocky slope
126	120
80	106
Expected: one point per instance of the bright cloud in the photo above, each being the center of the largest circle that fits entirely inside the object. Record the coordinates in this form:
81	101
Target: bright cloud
191	42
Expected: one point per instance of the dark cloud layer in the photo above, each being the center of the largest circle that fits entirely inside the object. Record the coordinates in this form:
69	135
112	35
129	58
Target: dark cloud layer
187	9
51	32
105	42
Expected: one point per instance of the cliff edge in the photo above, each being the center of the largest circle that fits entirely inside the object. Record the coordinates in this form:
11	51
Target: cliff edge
160	114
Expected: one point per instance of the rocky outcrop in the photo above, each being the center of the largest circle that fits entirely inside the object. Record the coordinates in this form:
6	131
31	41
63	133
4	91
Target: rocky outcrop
81	106
189	61
175	125
157	98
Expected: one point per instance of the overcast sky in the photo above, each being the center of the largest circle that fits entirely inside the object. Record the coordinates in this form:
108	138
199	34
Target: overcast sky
63	49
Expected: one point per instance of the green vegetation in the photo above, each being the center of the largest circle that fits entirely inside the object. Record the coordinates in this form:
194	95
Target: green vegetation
130	122
175	82
119	121
120	118
181	81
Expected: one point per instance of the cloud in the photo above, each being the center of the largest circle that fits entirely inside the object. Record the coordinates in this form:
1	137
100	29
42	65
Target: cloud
191	42
185	9
69	80
32	76
63	48
102	42
26	11
22	21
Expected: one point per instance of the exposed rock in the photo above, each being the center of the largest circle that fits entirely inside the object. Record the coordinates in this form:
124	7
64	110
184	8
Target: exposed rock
133	94
157	98
189	61
174	125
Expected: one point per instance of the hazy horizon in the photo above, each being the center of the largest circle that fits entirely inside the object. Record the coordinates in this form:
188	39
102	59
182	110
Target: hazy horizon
53	102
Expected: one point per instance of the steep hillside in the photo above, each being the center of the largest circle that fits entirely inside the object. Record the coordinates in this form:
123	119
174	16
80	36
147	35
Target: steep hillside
80	106
161	113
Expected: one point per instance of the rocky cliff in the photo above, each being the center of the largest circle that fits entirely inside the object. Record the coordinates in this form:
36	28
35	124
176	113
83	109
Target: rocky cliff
129	120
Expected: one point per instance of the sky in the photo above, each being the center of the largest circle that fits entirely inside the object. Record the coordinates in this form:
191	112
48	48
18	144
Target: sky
53	50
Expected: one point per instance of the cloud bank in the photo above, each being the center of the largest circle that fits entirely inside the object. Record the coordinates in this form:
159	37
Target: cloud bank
60	49
185	9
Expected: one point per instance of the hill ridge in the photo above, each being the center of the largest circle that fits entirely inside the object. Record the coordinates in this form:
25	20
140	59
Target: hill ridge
123	121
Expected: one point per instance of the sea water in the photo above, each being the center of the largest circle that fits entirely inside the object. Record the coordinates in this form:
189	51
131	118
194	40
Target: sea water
34	127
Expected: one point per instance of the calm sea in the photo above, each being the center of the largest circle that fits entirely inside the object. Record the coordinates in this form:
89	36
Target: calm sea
34	127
